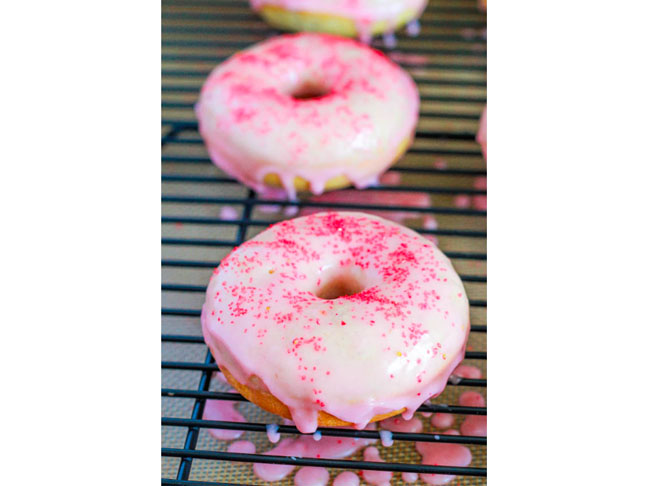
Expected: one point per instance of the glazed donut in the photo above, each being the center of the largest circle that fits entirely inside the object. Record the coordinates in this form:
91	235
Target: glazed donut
336	319
307	112
350	18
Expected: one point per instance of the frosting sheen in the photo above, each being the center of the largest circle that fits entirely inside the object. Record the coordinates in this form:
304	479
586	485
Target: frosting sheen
390	345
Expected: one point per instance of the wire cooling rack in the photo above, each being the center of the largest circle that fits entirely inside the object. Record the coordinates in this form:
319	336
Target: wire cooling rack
205	214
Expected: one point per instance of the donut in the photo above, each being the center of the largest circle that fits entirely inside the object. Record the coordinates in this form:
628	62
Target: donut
307	112
336	319
350	18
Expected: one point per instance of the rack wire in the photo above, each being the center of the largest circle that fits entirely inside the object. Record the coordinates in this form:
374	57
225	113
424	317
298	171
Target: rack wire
448	62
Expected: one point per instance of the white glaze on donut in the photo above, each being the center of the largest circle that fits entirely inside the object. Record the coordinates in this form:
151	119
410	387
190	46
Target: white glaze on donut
391	345
253	126
363	13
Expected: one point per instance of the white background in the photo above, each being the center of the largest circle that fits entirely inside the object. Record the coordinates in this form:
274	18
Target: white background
80	202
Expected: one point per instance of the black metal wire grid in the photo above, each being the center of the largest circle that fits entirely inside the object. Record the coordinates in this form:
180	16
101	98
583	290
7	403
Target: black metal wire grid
448	62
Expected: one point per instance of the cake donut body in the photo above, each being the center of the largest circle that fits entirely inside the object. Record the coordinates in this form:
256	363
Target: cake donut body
307	112
336	319
351	18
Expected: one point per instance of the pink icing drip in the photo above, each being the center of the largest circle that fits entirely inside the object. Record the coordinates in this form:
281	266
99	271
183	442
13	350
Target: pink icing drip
228	213
443	420
480	202
410	477
224	411
377	478
471	399
442	454
312	476
474	425
462	201
440	164
412	59
347	478
242	447
468	371
399	424
304	446
413	28
273	435
390	178
386	438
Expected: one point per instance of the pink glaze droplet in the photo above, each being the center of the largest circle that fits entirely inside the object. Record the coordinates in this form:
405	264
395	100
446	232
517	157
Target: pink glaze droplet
409	477
474	425
389	39
228	213
442	454
273	434
462	201
224	411
377	478
399	424
467	371
414	59
305	446
480	203
347	478
443	420
386	438
390	178
471	399
480	183
440	164
413	28
242	447
312	476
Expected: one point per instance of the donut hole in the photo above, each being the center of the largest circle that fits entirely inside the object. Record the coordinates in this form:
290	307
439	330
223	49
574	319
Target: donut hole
339	286
310	90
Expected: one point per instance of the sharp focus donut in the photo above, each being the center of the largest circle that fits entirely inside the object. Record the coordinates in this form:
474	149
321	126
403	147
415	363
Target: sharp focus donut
336	319
307	112
350	18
